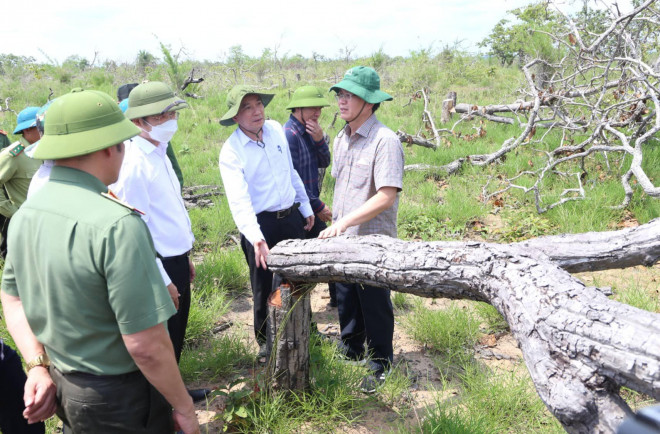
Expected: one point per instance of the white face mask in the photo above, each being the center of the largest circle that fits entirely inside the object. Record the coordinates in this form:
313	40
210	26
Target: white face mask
163	133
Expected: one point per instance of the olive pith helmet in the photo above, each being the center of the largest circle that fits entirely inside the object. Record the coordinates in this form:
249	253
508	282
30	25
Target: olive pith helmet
307	96
82	122
363	82
151	99
234	99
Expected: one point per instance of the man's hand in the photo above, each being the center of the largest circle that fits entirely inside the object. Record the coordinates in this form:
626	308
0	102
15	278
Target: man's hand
310	223
193	272
186	421
336	229
314	129
325	215
174	293
261	253
39	395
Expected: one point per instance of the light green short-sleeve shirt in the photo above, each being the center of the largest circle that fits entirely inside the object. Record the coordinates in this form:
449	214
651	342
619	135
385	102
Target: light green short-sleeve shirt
85	270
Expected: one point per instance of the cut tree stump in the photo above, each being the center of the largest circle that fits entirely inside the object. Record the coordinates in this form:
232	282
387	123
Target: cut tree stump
289	319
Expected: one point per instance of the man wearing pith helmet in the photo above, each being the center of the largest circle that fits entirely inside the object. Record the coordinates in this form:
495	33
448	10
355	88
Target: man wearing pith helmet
17	169
368	167
266	197
148	182
309	153
89	312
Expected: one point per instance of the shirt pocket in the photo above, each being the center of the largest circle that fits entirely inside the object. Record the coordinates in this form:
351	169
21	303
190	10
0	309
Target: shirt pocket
360	174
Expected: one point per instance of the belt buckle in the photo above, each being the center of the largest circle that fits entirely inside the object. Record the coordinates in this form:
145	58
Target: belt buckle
282	213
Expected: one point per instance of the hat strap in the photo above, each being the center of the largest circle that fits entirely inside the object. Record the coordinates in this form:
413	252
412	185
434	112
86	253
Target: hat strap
259	141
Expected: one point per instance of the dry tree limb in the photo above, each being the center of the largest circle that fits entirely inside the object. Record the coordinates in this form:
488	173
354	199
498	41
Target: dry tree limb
579	346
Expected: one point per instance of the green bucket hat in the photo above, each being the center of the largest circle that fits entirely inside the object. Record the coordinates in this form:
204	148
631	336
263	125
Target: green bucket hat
363	82
236	95
307	96
152	98
82	122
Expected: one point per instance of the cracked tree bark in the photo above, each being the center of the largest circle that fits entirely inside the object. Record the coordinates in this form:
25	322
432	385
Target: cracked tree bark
579	346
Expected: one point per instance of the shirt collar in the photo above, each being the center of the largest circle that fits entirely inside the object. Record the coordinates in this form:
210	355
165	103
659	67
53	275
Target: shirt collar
243	139
69	175
147	147
363	129
297	125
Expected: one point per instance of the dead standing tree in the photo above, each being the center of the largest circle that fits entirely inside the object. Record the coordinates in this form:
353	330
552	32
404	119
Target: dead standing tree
602	100
579	346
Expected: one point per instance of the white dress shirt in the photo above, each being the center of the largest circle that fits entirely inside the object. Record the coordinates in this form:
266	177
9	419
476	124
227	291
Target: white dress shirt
148	182
260	177
40	177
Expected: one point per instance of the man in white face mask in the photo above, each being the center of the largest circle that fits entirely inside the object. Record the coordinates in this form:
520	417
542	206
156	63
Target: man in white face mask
148	182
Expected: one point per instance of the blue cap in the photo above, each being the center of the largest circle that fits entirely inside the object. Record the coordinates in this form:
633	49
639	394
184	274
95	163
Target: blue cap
40	122
123	105
27	118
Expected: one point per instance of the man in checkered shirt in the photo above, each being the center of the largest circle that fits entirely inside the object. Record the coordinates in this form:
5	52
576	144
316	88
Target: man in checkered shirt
368	167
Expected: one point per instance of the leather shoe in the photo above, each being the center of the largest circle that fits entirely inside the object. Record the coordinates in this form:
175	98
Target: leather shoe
198	395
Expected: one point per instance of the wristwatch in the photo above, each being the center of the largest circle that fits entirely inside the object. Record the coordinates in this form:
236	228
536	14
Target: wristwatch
40	360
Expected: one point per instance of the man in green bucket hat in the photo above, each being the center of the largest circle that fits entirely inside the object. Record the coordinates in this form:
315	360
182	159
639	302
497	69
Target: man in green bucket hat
266	197
368	167
88	313
309	153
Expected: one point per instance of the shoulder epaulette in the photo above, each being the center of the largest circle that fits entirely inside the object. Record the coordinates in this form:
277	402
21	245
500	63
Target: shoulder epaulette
3	132
16	149
113	197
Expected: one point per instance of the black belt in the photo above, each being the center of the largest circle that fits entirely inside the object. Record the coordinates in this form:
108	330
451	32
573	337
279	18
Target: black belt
283	212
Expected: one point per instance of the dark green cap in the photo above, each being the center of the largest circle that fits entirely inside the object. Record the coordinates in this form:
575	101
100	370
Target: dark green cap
363	82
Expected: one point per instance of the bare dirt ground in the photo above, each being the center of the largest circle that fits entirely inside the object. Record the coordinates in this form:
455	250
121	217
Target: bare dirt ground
500	352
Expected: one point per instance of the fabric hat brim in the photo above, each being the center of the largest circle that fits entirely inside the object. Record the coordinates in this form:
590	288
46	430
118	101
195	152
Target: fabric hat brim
54	147
25	125
370	96
227	119
308	102
155	108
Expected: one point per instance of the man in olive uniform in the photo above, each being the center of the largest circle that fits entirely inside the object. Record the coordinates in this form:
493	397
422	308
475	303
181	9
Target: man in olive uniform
93	302
4	140
16	169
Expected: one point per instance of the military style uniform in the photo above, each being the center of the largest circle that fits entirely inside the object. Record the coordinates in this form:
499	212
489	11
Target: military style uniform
87	267
4	140
16	170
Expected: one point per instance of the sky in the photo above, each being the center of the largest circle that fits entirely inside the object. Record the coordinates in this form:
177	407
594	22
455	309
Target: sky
206	30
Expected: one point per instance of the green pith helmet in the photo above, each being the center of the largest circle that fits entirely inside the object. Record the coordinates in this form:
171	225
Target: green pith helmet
363	82
151	99
82	122
234	99
307	96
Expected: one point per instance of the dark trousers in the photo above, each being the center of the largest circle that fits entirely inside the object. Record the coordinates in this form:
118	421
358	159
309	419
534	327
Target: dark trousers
4	227
274	231
320	225
12	384
365	312
114	404
178	268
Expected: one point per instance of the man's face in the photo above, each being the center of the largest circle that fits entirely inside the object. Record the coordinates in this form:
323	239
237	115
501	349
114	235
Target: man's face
349	105
250	114
31	134
161	119
311	113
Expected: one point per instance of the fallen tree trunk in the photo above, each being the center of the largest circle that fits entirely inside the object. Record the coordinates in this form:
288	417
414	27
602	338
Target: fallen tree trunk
579	346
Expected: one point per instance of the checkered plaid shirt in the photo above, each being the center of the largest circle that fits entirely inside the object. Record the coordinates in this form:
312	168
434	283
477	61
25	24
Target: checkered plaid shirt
369	160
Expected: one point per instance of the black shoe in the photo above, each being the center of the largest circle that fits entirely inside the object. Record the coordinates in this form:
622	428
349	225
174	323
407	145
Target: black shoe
372	382
198	395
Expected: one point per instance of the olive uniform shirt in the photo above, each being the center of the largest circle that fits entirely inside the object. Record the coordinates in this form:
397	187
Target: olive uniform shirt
16	170
84	268
4	140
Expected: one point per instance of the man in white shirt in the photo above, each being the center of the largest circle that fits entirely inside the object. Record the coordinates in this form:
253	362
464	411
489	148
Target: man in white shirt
266	197
148	182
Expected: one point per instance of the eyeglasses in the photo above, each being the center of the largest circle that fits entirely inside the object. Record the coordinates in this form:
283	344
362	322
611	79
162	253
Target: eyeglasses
166	116
343	95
